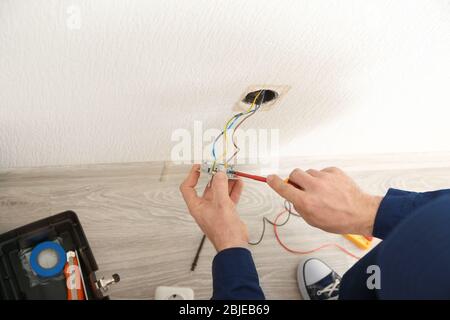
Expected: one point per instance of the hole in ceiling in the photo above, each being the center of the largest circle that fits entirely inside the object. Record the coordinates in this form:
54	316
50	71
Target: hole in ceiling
267	96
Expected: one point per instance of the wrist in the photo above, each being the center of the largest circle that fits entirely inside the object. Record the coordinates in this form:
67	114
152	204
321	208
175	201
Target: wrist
231	244
372	203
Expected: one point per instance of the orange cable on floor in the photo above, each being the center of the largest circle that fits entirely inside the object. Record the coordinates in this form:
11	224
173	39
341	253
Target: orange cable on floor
285	247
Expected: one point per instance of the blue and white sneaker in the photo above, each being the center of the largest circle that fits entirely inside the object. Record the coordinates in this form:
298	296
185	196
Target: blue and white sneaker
317	281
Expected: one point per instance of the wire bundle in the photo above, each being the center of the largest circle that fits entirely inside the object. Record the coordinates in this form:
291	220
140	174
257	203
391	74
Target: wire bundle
233	121
233	124
288	210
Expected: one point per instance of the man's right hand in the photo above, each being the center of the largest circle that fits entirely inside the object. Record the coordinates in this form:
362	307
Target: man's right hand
329	200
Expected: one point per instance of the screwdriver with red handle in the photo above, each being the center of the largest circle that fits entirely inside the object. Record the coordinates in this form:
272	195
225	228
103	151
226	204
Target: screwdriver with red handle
260	178
362	242
249	176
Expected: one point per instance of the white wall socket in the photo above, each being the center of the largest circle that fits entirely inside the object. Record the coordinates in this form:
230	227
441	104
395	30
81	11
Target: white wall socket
173	293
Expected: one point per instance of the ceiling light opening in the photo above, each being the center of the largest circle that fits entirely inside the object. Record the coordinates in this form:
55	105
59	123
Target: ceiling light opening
269	95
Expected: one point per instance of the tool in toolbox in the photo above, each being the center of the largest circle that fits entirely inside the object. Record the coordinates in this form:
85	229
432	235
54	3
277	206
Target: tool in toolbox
68	269
74	283
103	285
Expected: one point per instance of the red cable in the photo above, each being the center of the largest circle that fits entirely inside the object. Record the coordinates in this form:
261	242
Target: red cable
285	247
250	176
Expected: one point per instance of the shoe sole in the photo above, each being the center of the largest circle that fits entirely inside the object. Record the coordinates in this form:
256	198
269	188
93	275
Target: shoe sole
301	279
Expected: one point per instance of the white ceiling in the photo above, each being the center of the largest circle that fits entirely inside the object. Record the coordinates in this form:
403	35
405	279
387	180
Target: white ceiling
364	76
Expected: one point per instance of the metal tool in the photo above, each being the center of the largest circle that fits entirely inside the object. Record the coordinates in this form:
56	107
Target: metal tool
197	255
81	276
103	284
363	242
233	174
74	282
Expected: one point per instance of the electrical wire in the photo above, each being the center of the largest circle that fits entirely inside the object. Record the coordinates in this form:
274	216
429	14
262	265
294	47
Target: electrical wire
229	124
287	205
326	245
288	209
233	136
250	112
275	224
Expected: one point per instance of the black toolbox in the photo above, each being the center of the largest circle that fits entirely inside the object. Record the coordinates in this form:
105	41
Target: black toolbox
15	283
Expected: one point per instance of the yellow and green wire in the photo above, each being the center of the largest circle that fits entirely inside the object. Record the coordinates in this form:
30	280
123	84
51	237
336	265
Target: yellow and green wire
228	125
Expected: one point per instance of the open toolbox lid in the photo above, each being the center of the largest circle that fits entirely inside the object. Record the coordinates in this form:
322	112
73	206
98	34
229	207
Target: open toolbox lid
15	281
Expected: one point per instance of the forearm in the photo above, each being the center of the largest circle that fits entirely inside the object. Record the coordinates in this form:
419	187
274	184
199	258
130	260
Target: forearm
235	276
398	205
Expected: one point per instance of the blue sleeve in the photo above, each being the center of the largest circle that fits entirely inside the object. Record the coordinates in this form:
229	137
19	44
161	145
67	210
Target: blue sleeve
397	205
235	276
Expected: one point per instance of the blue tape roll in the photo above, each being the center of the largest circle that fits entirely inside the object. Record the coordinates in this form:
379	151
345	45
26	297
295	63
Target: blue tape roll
48	272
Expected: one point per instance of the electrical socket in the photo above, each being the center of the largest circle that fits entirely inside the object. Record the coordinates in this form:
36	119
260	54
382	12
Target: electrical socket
173	293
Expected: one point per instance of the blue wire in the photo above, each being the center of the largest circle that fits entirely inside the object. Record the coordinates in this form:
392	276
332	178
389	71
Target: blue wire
236	117
234	121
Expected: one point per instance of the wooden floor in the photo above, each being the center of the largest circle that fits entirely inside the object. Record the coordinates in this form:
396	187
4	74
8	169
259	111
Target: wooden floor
138	226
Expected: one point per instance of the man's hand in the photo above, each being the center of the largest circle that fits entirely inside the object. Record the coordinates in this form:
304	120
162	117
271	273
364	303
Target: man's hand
330	200
215	211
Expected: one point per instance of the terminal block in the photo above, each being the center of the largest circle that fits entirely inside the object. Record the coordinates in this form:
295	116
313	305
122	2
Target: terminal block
212	169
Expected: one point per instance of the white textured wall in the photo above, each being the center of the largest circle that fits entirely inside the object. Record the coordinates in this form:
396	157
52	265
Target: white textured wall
365	76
